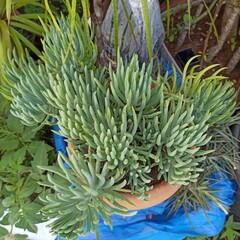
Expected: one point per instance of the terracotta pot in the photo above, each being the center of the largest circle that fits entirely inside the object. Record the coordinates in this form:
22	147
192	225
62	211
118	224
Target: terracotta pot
160	193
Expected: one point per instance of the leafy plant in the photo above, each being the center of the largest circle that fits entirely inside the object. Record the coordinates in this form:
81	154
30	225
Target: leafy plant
232	43
12	19
229	232
122	122
168	18
5	235
20	154
16	26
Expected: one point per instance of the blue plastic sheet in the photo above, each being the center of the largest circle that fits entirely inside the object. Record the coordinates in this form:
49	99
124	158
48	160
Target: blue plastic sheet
176	227
60	143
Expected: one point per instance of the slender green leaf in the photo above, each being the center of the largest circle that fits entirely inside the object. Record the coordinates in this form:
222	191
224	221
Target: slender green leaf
29	16
212	20
21	3
52	16
168	19
128	19
16	41
147	25
4	39
72	27
28	43
28	25
8	9
2	8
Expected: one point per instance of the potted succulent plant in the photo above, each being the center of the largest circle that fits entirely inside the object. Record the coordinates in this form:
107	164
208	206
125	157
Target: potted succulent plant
130	128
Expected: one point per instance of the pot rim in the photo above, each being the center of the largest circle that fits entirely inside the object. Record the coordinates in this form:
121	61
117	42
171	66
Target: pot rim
160	193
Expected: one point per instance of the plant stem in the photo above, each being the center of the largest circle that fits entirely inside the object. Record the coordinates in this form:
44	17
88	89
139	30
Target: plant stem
97	18
219	5
115	24
168	17
147	26
182	7
206	12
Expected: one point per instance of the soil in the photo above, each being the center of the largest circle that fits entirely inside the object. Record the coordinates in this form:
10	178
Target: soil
195	39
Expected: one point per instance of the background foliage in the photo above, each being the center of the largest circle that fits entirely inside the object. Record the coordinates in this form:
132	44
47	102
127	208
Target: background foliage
21	151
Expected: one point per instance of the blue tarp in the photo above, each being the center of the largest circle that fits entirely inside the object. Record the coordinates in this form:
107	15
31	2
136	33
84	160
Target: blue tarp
159	227
176	227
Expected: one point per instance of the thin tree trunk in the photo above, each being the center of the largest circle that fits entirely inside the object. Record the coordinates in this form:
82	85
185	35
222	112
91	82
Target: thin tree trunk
227	29
233	61
97	18
182	7
226	15
100	8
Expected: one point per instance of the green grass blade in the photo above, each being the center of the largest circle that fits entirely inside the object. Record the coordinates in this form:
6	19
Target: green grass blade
86	14
128	19
212	21
72	26
9	4
4	40
189	16
147	27
28	43
27	24
115	24
52	16
16	41
21	4
25	27
168	18
68	5
5	85
2	8
29	16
